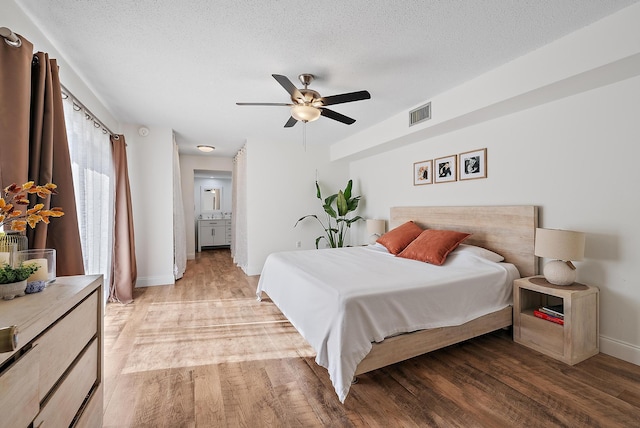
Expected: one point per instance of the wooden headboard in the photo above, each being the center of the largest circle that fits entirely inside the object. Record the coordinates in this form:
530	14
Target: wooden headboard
507	230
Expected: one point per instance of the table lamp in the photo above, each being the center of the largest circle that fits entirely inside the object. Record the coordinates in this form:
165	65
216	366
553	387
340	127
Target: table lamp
564	246
375	228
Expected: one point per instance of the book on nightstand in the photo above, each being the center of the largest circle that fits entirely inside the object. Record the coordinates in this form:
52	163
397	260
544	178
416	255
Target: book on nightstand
548	317
555	310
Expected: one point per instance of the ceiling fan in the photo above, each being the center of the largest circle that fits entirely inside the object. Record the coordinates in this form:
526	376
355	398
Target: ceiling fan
308	105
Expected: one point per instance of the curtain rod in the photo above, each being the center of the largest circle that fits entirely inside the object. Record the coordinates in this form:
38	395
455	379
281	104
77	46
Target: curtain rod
10	37
13	40
90	115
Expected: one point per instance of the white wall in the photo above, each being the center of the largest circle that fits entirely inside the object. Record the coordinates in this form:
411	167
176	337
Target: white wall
568	146
187	165
280	189
150	162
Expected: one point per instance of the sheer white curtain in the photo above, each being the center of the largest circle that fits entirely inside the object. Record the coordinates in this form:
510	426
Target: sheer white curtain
239	219
93	181
179	229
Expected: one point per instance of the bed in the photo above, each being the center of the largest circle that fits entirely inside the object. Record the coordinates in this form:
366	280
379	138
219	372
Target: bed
362	308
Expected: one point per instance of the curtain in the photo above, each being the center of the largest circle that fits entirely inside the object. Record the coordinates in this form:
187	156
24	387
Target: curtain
92	167
40	151
239	248
125	271
15	107
179	228
50	162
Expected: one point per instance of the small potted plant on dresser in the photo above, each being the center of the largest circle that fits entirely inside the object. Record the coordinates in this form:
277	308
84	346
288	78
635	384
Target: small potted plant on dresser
13	280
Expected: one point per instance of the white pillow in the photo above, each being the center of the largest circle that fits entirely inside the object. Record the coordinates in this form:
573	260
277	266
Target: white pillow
479	251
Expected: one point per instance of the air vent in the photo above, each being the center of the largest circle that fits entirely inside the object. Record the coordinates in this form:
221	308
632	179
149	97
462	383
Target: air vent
420	114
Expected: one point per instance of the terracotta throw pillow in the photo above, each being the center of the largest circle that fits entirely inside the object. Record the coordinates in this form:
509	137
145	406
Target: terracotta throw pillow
397	239
433	246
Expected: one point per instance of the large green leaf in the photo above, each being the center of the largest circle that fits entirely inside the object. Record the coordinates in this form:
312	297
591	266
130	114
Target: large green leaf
347	190
353	220
329	210
353	203
318	194
329	200
341	203
308	215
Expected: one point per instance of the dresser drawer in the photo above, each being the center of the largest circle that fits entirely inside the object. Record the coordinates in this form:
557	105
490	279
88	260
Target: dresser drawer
19	402
212	223
62	343
63	404
91	416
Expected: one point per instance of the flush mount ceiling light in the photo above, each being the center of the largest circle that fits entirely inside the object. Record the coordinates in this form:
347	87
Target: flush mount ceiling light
305	113
206	149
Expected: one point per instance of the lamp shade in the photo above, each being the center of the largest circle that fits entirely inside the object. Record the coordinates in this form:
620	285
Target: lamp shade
375	227
558	244
305	113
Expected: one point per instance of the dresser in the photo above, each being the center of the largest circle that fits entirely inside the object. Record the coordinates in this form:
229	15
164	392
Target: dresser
214	233
54	376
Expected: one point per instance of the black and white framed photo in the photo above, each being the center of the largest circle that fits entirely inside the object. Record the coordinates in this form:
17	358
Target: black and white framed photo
444	169
473	164
423	172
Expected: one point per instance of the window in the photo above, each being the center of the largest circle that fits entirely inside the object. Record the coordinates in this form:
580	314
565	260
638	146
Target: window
93	180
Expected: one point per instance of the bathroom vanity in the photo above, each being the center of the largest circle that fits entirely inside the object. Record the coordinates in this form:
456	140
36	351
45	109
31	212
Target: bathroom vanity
214	233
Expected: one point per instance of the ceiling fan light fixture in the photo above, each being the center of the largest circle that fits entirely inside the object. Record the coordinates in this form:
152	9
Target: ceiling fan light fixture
305	113
206	149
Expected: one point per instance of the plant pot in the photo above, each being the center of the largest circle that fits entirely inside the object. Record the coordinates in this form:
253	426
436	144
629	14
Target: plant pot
14	289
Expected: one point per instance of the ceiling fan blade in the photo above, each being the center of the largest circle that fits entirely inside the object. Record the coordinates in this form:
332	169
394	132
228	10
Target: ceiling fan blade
292	121
288	86
336	116
346	98
265	104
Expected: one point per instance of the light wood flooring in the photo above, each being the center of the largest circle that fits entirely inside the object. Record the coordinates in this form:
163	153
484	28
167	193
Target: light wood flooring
205	353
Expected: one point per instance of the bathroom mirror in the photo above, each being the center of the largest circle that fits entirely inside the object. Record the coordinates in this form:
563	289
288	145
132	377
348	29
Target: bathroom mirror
210	199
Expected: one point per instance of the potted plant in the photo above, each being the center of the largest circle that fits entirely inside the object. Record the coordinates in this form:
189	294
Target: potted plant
13	280
337	208
15	215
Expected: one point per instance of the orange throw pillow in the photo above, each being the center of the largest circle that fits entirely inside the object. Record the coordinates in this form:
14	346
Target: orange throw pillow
433	246
397	239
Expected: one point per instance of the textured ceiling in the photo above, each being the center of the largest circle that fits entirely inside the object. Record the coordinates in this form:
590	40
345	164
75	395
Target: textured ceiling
186	64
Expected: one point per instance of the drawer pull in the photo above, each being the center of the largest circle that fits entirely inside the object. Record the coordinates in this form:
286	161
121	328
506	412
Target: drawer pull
8	339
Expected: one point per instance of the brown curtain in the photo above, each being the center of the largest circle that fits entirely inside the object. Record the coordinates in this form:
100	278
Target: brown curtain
15	96
124	270
41	152
63	233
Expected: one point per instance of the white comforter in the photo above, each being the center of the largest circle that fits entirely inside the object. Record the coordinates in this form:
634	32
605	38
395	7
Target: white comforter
341	300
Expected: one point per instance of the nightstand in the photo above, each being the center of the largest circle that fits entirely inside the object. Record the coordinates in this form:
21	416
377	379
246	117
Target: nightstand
577	339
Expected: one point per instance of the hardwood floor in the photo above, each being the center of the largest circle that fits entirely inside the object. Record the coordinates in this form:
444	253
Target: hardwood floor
205	353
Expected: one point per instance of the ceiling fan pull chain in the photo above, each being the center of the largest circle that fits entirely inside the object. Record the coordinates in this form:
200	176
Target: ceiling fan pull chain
304	135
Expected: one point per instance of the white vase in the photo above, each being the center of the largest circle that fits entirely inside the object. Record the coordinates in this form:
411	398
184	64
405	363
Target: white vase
14	289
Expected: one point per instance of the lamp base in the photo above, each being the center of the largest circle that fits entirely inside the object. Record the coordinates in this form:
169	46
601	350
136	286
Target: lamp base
559	273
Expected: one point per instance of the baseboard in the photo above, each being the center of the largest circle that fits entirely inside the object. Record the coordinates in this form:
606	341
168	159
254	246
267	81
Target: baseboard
191	256
619	349
150	281
251	270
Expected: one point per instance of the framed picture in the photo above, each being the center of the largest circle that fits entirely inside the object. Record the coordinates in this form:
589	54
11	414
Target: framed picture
444	169
473	164
423	172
